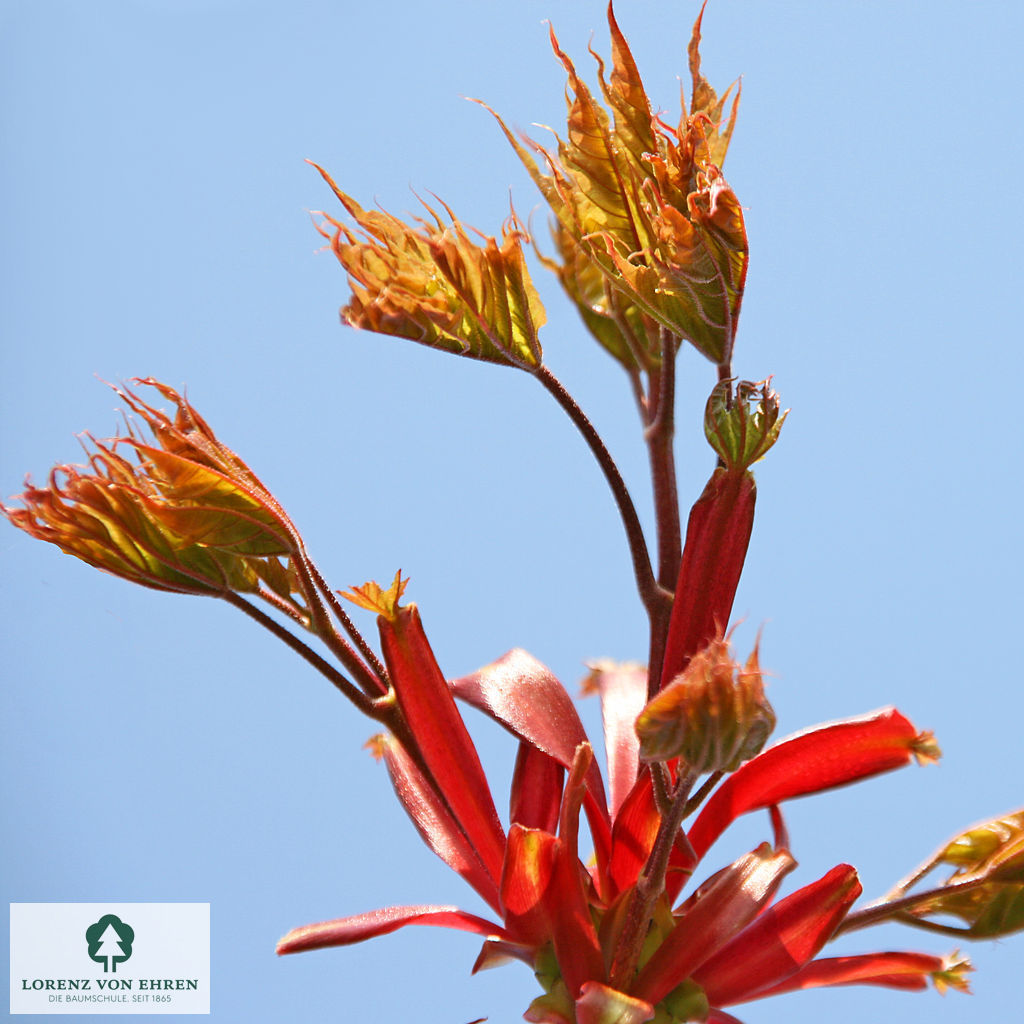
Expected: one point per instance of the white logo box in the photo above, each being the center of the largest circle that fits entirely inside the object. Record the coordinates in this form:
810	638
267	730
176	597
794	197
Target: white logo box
163	968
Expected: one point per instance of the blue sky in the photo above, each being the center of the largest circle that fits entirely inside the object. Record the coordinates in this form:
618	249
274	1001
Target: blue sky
155	216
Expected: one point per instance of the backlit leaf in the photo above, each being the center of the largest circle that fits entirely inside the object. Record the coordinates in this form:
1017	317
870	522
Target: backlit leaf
432	283
647	206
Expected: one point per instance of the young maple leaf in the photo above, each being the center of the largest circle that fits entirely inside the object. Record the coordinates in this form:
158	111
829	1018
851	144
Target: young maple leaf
648	207
434	284
183	514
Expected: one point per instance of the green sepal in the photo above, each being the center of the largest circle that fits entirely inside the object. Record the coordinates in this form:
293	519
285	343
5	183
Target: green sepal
742	423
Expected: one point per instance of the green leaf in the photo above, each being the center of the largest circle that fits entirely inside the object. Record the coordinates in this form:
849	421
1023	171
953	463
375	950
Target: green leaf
742	423
435	285
647	207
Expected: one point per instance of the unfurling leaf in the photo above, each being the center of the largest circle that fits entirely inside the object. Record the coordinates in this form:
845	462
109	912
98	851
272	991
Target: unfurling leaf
986	889
374	598
900	970
647	206
994	849
989	910
628	335
742	423
184	514
714	715
434	284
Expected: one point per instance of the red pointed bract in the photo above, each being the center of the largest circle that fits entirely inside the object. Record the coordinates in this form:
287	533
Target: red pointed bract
430	712
633	835
575	937
623	692
347	930
717	536
536	795
599	1004
636	827
544	902
529	874
909	971
781	940
727	905
809	762
525	697
434	822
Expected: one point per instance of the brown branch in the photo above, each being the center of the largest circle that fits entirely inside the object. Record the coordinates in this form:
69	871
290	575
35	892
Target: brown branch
898	910
348	625
659	435
651	594
325	668
649	886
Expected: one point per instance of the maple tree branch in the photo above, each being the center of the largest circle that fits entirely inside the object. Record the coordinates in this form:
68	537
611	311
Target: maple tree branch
324	667
659	434
376	668
898	909
651	884
313	586
652	594
702	794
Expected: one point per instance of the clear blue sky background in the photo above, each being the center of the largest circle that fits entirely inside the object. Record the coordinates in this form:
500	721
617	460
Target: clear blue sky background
154	219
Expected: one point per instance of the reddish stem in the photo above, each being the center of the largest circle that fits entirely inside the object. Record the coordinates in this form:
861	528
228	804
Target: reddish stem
652	595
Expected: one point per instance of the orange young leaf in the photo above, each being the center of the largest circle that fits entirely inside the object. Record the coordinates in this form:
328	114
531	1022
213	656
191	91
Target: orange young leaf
374	599
434	284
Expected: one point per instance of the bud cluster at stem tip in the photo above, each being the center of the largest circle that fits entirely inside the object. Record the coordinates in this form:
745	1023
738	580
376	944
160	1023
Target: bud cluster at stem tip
743	423
714	714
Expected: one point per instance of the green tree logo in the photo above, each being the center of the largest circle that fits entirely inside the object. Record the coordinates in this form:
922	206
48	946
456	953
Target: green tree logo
110	941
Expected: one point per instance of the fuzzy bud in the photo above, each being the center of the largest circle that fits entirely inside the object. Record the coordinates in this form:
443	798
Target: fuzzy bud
714	714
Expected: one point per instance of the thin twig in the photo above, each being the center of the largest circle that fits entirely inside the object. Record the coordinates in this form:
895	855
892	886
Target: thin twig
898	909
702	794
370	683
650	885
651	594
285	607
661	781
325	668
349	626
659	435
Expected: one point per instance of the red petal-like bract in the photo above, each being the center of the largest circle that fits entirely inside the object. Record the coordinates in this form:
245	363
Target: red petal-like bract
542	888
525	697
347	930
717	536
636	827
529	874
434	822
575	937
599	1004
536	794
623	691
781	940
441	736
808	762
727	904
892	970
